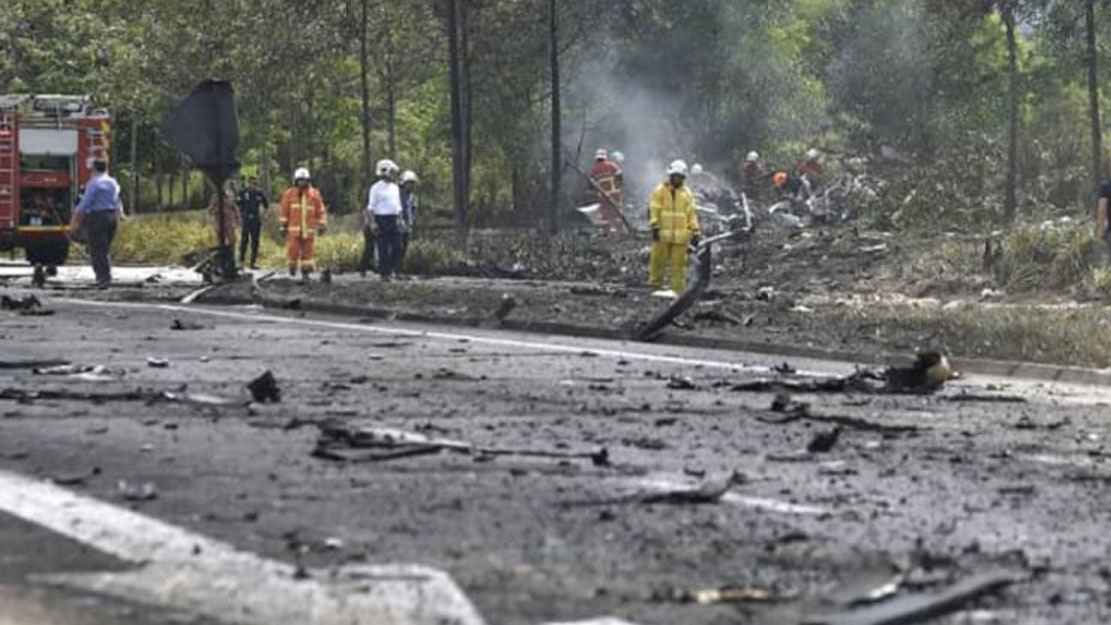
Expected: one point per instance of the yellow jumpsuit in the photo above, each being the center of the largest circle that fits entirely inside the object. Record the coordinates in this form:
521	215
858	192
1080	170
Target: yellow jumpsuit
671	211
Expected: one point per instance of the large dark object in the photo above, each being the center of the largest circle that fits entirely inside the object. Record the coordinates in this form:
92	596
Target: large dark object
205	128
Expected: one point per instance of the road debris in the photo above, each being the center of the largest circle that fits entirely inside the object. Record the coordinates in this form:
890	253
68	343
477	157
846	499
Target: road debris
178	324
718	317
823	442
796	411
32	364
921	378
26	303
141	395
709	491
506	306
918	607
972	397
703	269
136	492
75	479
157	363
681	383
264	389
341	442
724	594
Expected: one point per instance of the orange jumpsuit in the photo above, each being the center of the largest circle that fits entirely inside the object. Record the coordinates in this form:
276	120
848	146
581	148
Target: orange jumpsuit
302	213
608	176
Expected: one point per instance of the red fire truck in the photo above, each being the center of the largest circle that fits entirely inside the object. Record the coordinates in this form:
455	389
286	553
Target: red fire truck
47	147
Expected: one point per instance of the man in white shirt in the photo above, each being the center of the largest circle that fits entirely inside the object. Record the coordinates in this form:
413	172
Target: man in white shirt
383	209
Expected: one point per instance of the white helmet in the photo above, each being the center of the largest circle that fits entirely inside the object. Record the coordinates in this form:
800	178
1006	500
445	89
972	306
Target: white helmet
677	168
752	157
385	167
812	154
696	169
601	154
302	173
409	176
619	157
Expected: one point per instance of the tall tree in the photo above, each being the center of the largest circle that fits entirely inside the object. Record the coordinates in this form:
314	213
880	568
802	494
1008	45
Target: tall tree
557	113
364	91
1007	12
458	130
1093	93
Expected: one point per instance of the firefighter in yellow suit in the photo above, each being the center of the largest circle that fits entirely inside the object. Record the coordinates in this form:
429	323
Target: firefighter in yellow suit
674	222
302	215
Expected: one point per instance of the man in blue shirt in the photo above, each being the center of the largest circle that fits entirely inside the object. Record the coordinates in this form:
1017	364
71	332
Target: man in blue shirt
95	220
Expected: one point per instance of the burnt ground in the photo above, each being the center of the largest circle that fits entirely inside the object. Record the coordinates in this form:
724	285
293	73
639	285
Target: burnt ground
835	288
938	487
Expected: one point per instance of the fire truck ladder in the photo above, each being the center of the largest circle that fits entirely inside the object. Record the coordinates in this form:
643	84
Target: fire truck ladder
9	162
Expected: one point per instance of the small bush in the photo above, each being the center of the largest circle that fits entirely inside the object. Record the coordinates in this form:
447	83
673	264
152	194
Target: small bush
1037	257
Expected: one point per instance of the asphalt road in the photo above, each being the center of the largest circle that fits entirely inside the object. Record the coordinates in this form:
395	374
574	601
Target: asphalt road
939	487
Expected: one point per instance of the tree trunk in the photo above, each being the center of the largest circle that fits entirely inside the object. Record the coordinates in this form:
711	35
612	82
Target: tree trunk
391	112
133	193
1093	96
365	94
184	185
457	130
1010	201
557	130
159	182
468	111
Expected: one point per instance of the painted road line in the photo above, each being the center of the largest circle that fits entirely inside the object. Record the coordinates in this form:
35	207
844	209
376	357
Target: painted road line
600	621
445	336
179	569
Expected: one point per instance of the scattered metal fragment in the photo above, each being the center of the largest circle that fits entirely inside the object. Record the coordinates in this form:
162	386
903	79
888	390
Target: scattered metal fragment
157	363
918	607
505	306
75	479
999	399
264	389
729	594
681	383
340	442
69	369
178	324
136	492
823	442
32	364
796	411
703	270
25	303
717	316
709	491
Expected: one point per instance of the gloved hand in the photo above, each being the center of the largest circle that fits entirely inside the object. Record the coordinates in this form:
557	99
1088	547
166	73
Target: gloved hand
284	231
695	240
322	229
656	234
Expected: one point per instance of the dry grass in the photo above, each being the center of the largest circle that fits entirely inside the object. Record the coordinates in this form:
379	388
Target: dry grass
1079	336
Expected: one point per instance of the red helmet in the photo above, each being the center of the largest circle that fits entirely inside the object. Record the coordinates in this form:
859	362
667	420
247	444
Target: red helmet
779	179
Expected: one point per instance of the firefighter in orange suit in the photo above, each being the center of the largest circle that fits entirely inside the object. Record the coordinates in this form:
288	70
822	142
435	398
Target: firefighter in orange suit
302	216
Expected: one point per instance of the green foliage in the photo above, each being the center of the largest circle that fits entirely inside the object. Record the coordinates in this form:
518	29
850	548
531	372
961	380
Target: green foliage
1037	258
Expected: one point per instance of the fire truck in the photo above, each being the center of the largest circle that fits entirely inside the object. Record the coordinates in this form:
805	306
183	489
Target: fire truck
47	147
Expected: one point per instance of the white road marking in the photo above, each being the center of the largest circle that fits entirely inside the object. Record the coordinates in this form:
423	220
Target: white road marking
180	569
600	621
447	336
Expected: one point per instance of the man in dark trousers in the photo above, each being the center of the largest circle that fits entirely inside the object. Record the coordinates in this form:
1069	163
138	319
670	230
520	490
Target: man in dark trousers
252	201
95	218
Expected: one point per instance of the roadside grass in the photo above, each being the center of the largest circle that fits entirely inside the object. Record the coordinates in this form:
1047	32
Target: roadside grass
1079	336
164	239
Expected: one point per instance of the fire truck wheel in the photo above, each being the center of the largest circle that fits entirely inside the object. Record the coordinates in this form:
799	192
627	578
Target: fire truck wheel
50	253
